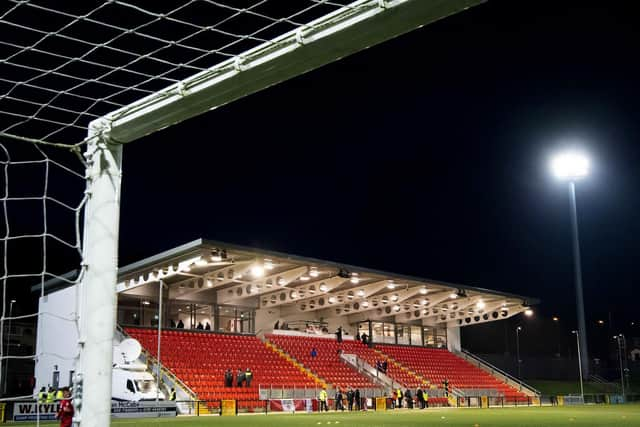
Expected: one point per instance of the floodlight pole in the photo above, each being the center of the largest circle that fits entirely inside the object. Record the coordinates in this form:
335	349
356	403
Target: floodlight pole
518	329
582	329
158	365
619	338
97	299
579	364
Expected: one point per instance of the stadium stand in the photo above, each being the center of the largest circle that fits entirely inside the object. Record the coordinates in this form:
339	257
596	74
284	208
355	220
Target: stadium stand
327	364
200	359
437	365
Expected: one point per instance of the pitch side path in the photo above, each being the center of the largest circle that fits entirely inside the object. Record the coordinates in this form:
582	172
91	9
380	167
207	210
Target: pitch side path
596	416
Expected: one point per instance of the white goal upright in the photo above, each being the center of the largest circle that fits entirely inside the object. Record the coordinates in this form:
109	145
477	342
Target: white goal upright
102	74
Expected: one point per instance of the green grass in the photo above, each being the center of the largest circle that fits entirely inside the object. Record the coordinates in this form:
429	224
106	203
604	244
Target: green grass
583	416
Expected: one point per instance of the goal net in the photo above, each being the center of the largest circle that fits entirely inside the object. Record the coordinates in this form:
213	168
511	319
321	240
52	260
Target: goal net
80	79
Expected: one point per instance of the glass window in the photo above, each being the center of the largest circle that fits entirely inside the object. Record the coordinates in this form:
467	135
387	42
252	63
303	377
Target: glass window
389	333
416	335
435	337
377	331
403	334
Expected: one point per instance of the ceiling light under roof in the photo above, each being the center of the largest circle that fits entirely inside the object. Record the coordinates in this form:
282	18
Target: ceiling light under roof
313	272
332	299
394	297
281	281
365	304
453	295
209	283
354	278
391	285
268	264
323	287
257	271
360	293
480	304
146	302
304	278
201	262
423	291
396	307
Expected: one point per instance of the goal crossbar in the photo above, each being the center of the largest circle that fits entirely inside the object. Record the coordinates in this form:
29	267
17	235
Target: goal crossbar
347	30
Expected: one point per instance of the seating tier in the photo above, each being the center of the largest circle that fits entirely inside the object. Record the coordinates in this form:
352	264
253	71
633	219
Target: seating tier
199	359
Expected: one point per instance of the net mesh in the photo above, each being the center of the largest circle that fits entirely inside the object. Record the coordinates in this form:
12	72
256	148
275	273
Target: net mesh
67	63
41	198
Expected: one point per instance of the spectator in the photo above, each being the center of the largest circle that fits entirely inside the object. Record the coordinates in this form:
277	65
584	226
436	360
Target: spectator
51	395
356	398
180	324
172	395
42	395
445	384
314	352
339	398
358	336
350	397
365	338
239	378
384	366
65	413
322	397
200	326
420	397
173	323
207	326
277	325
248	376
339	334
409	397
399	396
228	378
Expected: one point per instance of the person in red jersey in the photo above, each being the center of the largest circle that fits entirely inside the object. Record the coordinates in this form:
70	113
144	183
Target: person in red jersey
65	413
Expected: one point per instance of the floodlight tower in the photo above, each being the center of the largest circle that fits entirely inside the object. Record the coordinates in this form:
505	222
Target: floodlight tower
572	166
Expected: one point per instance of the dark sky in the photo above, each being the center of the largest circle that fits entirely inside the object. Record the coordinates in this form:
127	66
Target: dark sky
426	155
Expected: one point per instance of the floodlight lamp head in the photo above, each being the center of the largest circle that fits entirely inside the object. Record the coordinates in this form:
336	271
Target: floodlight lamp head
570	165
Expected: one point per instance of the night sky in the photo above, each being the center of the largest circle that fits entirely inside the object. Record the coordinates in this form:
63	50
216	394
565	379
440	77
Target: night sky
426	155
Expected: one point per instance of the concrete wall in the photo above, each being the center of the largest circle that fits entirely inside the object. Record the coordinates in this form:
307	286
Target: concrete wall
57	340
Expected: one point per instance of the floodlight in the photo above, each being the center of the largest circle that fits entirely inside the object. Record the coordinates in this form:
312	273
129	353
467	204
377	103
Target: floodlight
528	312
570	165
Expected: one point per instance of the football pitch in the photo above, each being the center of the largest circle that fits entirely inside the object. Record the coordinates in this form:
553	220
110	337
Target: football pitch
596	416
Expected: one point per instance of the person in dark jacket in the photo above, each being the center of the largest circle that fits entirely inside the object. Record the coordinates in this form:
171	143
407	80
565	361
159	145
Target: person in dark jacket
239	378
356	398
350	397
228	378
248	376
